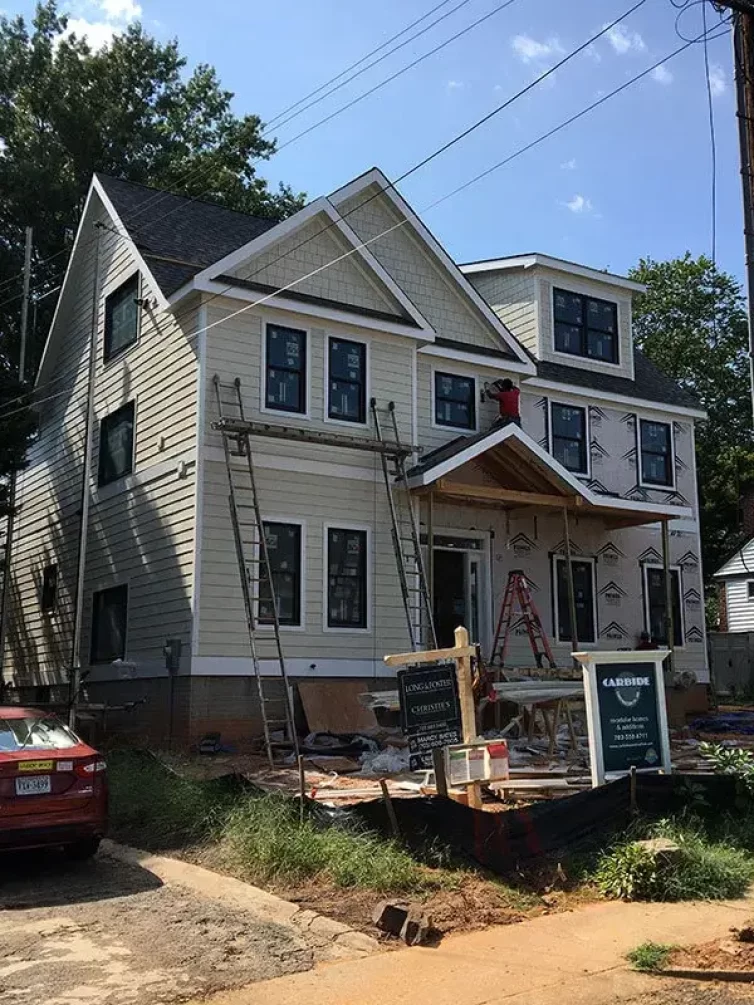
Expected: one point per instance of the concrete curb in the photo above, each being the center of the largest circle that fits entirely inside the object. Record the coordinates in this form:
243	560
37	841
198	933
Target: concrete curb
738	976
344	942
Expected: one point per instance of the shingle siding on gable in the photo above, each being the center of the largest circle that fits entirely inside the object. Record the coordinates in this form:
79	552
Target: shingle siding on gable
411	267
313	246
513	297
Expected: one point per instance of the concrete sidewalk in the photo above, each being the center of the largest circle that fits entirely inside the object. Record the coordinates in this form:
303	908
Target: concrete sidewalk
561	959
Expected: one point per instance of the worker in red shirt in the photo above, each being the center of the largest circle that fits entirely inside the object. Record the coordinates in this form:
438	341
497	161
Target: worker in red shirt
507	396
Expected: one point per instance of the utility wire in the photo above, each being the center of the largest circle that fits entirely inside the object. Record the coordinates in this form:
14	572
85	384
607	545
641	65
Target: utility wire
713	144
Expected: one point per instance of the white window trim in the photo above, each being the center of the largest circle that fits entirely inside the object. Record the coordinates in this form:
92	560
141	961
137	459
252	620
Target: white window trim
112	287
104	589
263	407
97	488
617	365
345	423
556	619
489	614
639	466
301	627
587	433
645	597
343	525
452	372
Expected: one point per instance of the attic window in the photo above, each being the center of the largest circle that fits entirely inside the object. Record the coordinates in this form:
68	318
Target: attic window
121	318
585	326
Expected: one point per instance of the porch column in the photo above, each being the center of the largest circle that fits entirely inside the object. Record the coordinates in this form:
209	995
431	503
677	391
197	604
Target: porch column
431	548
669	613
569	583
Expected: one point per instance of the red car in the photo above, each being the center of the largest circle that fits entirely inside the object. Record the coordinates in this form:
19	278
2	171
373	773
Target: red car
53	786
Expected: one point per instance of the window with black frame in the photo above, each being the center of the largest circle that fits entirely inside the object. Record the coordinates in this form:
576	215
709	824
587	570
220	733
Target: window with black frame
585	326
656	601
347	386
346	578
109	622
285	384
284	554
569	439
656	443
49	597
121	318
583	590
455	401
116	445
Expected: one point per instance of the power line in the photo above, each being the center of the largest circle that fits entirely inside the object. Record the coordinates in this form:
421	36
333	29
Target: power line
713	144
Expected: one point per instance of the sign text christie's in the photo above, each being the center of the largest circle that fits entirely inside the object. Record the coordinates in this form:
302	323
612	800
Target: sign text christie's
430	711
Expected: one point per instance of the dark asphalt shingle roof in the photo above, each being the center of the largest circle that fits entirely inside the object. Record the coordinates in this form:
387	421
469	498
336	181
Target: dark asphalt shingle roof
178	236
649	383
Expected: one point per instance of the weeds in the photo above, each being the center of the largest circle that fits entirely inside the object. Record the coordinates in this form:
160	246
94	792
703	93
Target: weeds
649	956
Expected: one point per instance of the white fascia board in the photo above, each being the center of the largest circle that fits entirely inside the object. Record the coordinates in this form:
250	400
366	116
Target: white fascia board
476	359
608	396
279	300
376	177
121	228
557	264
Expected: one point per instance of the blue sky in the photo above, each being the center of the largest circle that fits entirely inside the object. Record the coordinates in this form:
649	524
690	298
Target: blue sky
630	179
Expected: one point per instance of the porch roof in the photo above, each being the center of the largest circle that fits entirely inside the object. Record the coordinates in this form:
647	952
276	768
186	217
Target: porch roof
524	474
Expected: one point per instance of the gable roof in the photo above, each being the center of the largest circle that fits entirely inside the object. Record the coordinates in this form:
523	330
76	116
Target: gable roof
649	383
178	236
741	563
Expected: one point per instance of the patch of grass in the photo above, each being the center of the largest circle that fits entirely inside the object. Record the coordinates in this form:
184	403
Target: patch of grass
703	870
649	956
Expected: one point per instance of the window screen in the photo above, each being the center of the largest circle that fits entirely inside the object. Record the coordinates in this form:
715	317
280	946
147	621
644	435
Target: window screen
286	369
346	578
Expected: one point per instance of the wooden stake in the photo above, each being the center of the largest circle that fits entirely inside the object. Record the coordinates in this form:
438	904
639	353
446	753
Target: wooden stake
441	782
634	802
301	786
390	809
468	713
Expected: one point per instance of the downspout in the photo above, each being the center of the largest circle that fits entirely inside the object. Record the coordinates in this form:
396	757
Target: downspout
74	682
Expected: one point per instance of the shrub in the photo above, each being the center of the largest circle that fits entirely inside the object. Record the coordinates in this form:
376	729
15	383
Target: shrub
649	956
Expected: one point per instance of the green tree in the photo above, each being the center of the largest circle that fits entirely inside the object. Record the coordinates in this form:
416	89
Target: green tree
129	110
692	323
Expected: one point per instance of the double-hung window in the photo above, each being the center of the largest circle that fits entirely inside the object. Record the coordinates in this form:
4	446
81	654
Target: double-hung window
121	318
347	386
109	621
585	326
656	448
285	380
455	401
346	578
583	594
284	555
116	445
569	437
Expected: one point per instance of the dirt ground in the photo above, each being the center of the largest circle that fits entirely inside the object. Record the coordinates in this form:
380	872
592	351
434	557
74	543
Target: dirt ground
112	933
693	993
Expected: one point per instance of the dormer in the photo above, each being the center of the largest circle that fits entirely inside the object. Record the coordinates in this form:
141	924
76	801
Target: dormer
562	312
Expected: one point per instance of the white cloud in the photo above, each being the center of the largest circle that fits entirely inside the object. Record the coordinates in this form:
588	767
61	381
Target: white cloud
99	21
528	49
97	33
455	85
569	165
579	204
624	41
717	80
661	74
121	10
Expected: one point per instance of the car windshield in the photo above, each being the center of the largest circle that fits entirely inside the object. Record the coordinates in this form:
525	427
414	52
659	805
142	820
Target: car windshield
35	733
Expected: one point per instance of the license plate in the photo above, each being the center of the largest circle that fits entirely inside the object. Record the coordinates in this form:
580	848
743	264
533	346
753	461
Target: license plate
40	785
35	765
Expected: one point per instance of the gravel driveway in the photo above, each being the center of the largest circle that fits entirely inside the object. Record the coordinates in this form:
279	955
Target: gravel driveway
111	933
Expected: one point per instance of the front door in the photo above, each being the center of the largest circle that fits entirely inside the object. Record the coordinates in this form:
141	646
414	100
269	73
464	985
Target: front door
450	590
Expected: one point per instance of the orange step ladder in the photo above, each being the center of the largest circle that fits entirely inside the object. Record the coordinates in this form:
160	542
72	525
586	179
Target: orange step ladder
517	590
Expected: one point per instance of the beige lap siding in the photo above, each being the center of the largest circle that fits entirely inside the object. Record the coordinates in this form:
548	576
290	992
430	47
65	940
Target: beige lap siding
513	297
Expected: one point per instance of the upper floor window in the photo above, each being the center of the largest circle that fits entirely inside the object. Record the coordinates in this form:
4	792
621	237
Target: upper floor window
116	445
656	448
284	554
121	317
109	621
569	438
455	401
585	326
285	385
347	383
49	588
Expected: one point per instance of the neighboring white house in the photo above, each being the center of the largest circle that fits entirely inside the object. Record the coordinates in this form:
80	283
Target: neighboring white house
350	299
735	581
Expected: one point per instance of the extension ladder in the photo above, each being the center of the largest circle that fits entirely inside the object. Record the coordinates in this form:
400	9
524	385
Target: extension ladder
254	568
404	530
517	589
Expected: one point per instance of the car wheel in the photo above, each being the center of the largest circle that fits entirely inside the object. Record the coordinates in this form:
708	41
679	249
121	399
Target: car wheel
82	850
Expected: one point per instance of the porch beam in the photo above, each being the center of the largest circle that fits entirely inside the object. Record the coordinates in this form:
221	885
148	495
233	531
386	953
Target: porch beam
490	493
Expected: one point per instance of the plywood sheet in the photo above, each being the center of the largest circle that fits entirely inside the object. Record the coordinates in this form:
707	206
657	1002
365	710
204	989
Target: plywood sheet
332	706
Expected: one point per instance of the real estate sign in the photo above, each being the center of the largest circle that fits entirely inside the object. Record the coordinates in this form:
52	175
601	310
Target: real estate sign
430	711
626	714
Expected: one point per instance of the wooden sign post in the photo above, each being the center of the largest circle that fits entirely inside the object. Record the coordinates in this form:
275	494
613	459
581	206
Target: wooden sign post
430	725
